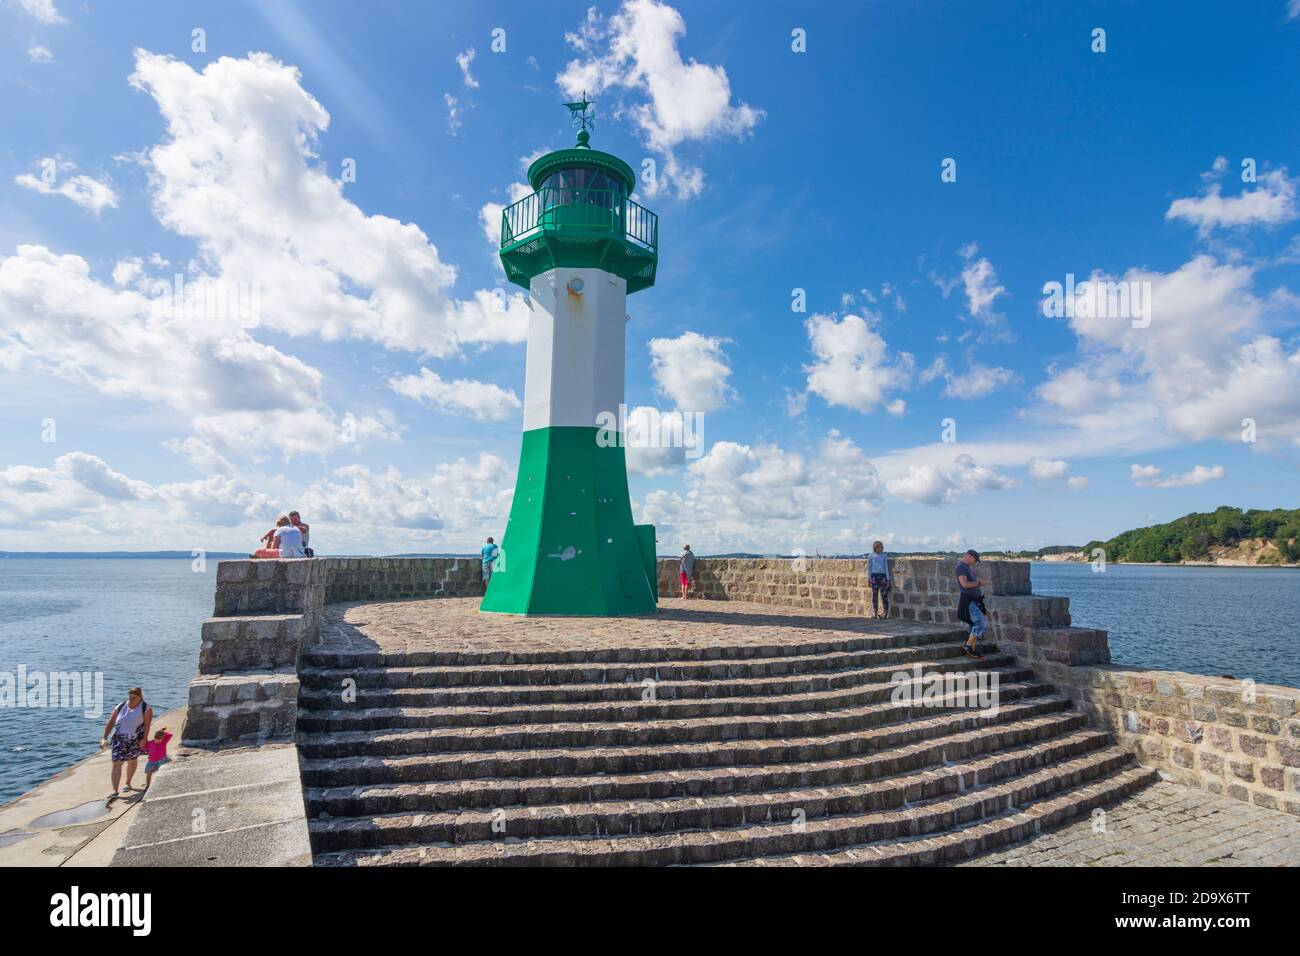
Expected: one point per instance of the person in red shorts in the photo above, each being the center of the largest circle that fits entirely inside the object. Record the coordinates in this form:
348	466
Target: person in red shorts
687	567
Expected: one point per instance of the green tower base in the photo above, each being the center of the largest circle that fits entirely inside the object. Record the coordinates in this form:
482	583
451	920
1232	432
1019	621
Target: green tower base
570	547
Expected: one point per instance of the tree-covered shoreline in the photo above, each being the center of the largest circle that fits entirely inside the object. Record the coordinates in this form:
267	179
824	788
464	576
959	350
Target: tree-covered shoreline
1192	537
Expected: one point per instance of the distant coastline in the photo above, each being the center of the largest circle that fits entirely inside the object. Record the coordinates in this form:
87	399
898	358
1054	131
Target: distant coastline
1081	558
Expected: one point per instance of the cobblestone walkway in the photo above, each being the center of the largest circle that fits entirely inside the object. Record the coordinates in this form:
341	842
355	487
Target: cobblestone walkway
454	624
1165	825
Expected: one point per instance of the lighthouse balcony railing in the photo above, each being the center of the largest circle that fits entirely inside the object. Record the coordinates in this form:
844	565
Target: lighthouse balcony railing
589	212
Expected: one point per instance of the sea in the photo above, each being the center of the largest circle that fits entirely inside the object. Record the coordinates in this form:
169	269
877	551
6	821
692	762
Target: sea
135	622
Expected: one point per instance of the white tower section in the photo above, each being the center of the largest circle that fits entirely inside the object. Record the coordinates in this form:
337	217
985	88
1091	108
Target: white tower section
576	344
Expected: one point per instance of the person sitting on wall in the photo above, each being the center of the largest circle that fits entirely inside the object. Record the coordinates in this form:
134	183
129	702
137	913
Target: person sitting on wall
970	606
296	520
284	541
687	568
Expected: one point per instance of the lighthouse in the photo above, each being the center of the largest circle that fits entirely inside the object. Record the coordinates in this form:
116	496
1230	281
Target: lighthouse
580	245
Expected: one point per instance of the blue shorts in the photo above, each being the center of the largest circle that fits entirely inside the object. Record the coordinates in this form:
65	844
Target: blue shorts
152	765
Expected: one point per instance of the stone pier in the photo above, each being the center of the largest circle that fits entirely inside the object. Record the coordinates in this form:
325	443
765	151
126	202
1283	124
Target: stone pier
758	723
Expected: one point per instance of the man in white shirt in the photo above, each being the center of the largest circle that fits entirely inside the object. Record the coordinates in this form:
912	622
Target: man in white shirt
295	519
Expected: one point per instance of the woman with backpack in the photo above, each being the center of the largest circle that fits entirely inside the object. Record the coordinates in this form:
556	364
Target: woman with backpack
126	731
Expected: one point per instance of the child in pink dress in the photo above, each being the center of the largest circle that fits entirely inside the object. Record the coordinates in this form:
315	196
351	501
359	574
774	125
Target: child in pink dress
156	750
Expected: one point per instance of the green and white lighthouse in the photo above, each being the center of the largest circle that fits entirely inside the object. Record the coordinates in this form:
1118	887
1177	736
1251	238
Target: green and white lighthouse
579	245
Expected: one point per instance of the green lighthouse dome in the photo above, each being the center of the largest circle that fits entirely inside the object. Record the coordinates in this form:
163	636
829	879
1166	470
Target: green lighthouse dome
616	173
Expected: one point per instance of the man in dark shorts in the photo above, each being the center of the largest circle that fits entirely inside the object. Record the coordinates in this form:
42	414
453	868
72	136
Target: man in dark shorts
970	606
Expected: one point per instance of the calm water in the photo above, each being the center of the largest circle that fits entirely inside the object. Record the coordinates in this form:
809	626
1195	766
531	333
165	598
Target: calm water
1239	621
138	621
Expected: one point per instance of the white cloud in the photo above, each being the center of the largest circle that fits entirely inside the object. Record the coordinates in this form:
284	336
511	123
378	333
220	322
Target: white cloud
94	475
127	271
691	370
931	484
353	510
1272	201
852	366
85	191
454	111
481	400
1203	365
768	499
39	53
1150	476
980	281
201	456
465	496
463	60
977	381
636	50
82	498
42	10
1046	469
238	394
237	174
1051	471
1076	389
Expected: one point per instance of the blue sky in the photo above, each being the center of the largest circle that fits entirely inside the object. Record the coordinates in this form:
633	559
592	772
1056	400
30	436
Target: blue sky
376	383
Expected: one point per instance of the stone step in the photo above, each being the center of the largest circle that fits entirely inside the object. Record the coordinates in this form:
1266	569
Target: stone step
514	695
663	815
639	733
494	793
534	674
708	781
898	634
368	766
345	720
812	834
1010	826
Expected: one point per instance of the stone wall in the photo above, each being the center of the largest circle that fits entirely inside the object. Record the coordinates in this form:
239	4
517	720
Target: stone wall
265	613
824	584
388	579
1036	628
1228	736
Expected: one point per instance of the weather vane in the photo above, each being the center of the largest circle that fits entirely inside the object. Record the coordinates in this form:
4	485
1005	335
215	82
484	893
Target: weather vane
583	116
